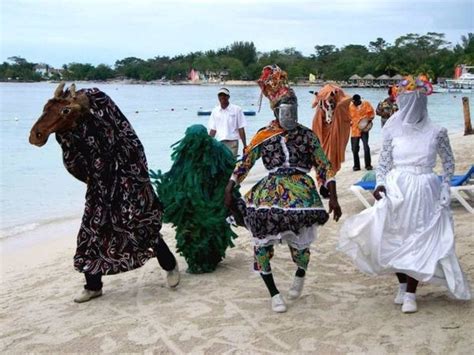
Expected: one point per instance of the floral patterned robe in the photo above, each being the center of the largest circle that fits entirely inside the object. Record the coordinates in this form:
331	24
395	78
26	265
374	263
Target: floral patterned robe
122	217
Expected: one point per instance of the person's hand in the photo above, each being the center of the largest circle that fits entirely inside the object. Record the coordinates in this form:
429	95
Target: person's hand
334	208
445	195
228	198
377	193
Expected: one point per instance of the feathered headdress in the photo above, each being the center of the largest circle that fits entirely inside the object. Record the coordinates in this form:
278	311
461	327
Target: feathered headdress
274	85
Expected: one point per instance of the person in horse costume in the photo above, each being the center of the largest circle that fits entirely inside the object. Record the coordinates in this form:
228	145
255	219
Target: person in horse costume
120	228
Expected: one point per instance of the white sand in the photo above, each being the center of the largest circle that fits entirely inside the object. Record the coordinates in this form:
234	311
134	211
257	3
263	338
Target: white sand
228	311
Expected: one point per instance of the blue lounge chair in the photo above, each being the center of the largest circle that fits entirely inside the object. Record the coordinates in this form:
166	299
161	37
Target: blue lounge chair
460	184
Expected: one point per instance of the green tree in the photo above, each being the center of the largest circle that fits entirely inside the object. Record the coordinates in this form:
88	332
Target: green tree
102	72
244	51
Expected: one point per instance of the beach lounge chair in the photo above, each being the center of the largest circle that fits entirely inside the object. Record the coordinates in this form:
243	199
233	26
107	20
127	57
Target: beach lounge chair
463	184
460	185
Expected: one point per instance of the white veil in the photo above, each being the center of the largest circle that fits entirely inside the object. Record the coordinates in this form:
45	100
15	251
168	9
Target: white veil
411	117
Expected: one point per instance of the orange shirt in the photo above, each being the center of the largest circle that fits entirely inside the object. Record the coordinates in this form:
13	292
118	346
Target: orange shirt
364	110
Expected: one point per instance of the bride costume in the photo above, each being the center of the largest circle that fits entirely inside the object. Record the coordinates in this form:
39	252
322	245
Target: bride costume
410	229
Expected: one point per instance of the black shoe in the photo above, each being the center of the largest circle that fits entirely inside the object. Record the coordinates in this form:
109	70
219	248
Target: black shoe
355	168
369	167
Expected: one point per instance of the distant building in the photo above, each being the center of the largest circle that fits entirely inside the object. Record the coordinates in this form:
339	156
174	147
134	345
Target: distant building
48	72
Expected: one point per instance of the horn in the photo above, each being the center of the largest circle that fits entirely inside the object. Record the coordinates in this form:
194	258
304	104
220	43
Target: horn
72	90
59	90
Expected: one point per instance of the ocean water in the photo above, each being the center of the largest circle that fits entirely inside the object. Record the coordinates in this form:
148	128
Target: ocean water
35	188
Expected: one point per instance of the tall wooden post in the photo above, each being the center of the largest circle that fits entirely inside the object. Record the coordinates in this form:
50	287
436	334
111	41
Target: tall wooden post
467	116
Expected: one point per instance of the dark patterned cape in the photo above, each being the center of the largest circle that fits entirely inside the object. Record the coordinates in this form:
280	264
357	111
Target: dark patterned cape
122	218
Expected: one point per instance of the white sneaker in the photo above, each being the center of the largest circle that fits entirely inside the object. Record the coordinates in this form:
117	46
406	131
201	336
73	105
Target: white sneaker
87	295
173	277
409	303
278	304
399	297
296	288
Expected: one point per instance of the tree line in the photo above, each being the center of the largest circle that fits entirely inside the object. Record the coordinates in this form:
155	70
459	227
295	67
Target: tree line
412	53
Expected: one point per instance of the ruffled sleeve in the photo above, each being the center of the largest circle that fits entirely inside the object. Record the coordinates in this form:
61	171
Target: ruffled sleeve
446	154
385	162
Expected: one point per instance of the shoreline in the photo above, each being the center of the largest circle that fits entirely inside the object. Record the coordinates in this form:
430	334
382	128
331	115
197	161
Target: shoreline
242	83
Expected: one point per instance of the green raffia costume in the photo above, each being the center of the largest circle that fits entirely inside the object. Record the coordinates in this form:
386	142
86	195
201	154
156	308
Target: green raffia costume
193	195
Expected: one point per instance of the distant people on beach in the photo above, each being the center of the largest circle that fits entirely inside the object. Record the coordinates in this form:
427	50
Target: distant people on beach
409	231
387	107
227	122
362	113
121	225
284	206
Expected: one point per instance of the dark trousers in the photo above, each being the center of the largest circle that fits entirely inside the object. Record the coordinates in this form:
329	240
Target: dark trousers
165	258
355	149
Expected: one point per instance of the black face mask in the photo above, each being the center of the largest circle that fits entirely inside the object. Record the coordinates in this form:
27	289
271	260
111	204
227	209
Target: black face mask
288	116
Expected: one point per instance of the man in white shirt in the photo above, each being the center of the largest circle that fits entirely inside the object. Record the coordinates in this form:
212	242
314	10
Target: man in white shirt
227	122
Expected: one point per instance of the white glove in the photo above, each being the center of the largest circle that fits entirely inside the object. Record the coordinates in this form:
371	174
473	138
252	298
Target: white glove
445	195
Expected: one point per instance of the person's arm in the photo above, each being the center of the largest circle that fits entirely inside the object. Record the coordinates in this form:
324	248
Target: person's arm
445	152
384	166
325	176
241	124
369	111
379	110
240	173
211	125
242	137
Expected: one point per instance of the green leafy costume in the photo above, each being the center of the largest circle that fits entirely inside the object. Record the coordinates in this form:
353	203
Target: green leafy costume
193	195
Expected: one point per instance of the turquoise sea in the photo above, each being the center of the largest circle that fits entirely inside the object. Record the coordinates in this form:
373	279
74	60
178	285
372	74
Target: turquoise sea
36	189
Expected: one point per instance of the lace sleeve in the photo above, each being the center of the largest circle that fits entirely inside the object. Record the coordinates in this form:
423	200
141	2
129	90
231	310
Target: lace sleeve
385	162
446	154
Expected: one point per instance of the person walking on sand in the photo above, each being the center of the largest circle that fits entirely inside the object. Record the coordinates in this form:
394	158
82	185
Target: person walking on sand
362	114
409	231
387	107
283	206
227	122
120	227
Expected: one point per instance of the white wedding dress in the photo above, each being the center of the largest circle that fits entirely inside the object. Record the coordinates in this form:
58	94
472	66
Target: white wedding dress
410	230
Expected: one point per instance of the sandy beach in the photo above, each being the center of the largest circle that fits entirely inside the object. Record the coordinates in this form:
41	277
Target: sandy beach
228	311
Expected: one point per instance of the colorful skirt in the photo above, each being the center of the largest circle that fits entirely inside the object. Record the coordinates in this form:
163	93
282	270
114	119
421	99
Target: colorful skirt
283	206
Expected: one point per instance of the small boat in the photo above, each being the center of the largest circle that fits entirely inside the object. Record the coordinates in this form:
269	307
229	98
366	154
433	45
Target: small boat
463	81
208	112
204	112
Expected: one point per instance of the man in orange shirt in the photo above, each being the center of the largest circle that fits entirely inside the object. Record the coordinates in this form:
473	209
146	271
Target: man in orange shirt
362	113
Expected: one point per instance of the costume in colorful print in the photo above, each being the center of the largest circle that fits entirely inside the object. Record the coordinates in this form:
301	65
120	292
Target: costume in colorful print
285	205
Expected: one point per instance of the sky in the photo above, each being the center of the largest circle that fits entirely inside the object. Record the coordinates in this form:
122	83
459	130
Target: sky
58	32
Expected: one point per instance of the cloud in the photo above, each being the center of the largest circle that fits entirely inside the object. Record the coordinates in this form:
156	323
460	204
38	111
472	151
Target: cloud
96	31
